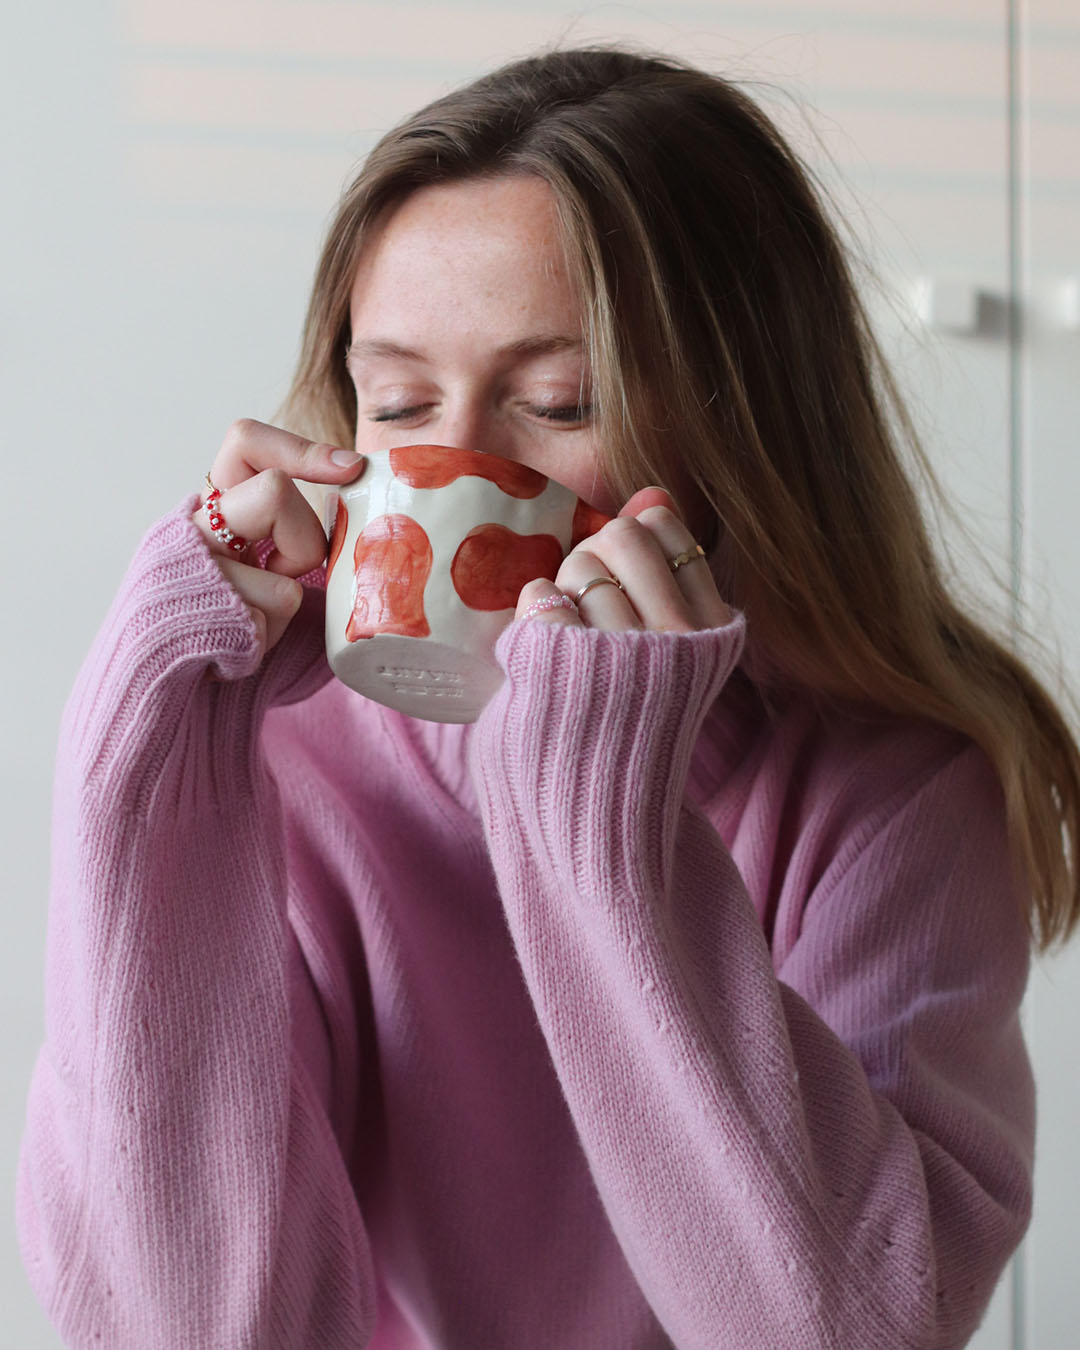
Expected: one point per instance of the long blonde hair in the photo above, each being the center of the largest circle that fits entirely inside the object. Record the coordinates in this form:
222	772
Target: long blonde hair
733	362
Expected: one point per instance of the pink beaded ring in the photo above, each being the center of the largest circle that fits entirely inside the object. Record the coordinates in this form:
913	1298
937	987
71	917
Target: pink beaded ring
235	543
549	602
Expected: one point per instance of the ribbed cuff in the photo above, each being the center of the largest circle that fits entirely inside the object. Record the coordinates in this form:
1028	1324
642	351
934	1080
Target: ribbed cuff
589	733
168	677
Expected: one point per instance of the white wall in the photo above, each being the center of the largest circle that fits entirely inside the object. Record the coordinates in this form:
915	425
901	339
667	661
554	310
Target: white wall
1049	490
168	170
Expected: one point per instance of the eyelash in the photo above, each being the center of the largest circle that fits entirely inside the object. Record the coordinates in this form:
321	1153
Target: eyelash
395	414
577	412
571	413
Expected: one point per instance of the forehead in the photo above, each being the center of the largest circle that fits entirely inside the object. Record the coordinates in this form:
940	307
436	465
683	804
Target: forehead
495	242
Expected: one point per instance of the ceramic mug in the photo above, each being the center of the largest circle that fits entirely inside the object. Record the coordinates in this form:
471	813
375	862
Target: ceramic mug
428	553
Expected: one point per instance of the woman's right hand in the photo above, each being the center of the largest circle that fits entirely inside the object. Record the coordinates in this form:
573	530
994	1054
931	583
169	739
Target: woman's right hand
253	471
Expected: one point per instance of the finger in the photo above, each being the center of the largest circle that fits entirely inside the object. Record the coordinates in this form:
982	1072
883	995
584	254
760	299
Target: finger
603	605
250	447
273	600
628	550
271	506
689	569
649	496
541	601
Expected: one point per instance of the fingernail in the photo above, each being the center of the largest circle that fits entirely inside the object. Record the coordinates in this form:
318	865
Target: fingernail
345	459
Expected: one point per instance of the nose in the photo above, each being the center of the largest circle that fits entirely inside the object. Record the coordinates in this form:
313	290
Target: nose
470	423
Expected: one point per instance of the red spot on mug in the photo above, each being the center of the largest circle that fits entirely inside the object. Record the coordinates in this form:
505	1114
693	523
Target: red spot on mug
492	564
434	466
337	539
587	520
392	561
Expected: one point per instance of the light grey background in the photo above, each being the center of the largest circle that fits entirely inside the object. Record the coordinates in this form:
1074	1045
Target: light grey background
168	169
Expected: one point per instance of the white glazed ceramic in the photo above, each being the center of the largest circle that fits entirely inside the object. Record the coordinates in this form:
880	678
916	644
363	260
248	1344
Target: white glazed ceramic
429	550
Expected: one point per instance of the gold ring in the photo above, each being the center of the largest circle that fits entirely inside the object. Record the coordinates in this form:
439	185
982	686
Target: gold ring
597	581
691	555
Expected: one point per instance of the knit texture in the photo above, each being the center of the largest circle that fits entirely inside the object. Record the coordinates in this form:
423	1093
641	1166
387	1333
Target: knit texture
636	1015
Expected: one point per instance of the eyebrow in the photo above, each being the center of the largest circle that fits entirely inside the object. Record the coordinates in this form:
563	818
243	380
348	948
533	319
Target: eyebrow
541	345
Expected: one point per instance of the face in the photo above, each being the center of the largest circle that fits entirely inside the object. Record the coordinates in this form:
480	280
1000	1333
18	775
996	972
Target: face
466	332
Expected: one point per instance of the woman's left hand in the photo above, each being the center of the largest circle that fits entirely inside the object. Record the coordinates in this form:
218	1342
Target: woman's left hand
638	547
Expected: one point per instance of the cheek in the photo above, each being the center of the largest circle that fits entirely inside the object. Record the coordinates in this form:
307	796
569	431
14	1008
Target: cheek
580	471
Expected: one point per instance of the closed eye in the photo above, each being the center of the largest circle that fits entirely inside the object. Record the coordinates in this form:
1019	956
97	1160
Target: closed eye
397	414
577	412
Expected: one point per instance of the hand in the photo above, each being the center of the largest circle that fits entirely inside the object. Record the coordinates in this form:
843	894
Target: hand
636	547
254	470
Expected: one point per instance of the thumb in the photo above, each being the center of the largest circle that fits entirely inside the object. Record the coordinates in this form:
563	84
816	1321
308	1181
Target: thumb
646	497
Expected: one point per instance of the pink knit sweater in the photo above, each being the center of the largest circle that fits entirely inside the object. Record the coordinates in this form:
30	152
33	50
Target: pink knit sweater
635	1015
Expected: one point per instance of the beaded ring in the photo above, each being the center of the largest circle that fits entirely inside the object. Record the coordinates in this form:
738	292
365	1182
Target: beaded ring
549	602
234	542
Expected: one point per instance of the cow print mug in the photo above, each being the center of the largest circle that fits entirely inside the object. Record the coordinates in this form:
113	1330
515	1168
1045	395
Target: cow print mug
429	550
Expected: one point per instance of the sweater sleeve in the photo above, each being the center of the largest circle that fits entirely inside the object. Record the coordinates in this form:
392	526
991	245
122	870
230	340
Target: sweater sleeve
179	1181
837	1153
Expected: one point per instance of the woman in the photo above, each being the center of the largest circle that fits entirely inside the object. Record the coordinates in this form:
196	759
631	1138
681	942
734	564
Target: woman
673	1002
